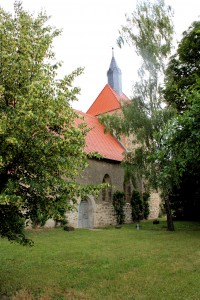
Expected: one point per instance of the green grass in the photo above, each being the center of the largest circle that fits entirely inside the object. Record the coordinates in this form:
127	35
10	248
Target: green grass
150	263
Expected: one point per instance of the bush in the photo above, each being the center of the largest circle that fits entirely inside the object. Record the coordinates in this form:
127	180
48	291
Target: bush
118	203
137	206
140	206
156	222
68	228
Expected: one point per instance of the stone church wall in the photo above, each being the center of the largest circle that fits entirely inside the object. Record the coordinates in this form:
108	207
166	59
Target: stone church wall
154	205
101	213
97	169
104	215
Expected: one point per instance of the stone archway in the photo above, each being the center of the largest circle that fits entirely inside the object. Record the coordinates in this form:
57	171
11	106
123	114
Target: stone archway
83	214
86	213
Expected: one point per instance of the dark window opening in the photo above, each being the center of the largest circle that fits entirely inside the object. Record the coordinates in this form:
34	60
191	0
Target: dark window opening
107	192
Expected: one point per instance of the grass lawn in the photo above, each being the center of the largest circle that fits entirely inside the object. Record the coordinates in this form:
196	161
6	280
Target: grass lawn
150	263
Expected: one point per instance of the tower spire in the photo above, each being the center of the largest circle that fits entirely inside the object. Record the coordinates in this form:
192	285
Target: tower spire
114	75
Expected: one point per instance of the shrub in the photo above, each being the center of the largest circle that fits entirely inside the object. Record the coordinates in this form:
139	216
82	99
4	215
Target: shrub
68	228
140	206
118	203
137	206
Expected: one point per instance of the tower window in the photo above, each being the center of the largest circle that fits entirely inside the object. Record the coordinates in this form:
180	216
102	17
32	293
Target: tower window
127	191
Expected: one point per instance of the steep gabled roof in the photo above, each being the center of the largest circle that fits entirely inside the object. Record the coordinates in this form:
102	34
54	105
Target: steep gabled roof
99	141
108	100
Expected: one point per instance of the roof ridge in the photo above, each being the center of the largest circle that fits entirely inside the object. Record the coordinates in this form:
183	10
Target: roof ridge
107	100
118	97
97	97
114	93
88	115
106	112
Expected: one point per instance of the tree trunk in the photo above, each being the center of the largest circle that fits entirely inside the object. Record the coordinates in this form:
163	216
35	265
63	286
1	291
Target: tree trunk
170	224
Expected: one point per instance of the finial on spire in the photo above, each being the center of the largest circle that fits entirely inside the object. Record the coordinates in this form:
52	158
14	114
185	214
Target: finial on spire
112	52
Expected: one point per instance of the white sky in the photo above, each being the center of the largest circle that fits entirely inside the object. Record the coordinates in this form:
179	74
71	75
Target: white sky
90	29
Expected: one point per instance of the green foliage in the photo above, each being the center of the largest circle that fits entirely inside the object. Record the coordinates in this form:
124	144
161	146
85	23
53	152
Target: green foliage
180	151
119	203
41	149
184	68
145	115
149	30
137	206
180	141
140	206
179	156
185	198
12	224
128	264
68	228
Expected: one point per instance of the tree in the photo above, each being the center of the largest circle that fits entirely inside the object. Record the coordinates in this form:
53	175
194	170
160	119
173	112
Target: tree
149	30
184	68
179	157
180	136
41	151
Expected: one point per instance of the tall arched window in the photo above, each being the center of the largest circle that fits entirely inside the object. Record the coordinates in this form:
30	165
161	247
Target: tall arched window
127	190
107	192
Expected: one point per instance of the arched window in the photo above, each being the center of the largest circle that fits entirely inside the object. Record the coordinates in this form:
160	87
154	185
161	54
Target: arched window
107	192
127	190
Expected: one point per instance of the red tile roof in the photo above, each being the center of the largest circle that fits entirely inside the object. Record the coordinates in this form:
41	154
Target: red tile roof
107	101
99	141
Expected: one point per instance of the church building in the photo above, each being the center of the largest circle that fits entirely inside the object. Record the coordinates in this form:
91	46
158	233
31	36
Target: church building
98	211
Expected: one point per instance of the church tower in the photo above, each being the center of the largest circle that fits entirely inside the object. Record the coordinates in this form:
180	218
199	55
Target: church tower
114	75
111	98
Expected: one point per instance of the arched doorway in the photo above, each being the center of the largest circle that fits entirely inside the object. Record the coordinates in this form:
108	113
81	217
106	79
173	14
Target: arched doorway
83	214
86	214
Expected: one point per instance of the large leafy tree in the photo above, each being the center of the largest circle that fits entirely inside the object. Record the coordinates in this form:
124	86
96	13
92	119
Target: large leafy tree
41	151
178	158
181	135
183	68
149	30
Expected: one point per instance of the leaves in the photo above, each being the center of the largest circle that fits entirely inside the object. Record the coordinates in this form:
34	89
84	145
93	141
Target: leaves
41	149
181	140
183	69
149	30
119	203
